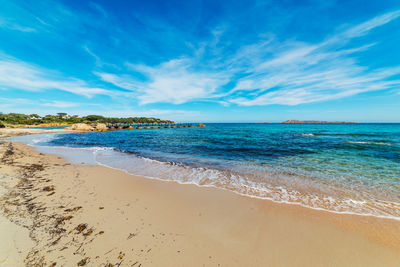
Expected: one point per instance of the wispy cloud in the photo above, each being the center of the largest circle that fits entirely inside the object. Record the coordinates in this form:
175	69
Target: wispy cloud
61	104
364	28
10	24
160	112
99	9
305	73
98	61
43	106
17	74
173	81
268	72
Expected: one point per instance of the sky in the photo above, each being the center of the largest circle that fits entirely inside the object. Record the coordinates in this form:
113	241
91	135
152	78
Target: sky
203	61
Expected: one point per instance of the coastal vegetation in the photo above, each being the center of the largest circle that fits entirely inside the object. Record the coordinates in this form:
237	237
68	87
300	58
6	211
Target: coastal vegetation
63	118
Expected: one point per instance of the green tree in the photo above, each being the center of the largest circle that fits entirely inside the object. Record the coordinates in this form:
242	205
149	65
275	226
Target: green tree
61	114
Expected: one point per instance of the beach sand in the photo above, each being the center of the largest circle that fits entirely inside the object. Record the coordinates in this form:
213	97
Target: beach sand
55	212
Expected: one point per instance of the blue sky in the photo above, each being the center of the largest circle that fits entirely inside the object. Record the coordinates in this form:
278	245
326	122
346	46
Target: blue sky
208	61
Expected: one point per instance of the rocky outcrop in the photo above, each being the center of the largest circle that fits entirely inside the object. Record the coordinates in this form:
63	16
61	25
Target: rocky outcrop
54	124
201	125
101	127
81	127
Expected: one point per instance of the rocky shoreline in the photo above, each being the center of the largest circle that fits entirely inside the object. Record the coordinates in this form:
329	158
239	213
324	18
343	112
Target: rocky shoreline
102	127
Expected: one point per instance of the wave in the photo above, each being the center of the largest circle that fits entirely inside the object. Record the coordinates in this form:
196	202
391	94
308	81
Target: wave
334	134
249	185
36	139
370	143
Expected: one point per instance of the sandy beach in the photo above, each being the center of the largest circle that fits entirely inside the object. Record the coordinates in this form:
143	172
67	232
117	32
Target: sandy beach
53	213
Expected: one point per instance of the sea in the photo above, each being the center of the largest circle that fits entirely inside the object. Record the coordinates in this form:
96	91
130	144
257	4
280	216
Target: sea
341	168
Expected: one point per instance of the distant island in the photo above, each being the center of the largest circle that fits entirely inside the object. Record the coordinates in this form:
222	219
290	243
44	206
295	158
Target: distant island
316	122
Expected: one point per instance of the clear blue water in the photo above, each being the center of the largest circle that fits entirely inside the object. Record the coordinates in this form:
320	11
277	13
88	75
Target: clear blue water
351	168
50	128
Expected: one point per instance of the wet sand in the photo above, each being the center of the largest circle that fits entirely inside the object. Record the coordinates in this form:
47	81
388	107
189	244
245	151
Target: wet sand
55	212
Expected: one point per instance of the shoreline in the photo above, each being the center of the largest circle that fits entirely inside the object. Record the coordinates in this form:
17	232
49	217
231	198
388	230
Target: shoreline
74	155
235	229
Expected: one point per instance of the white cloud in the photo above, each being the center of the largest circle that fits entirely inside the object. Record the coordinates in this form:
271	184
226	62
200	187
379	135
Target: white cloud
173	81
12	25
42	102
61	104
161	112
364	28
122	81
97	59
270	72
99	9
305	73
20	75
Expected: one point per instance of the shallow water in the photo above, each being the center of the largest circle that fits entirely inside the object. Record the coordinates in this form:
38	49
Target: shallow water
49	128
349	168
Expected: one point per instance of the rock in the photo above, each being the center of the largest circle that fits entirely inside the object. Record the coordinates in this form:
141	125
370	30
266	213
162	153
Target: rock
200	125
101	127
81	127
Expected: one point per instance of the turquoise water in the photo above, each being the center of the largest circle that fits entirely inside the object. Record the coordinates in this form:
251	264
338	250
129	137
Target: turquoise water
349	168
50	128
